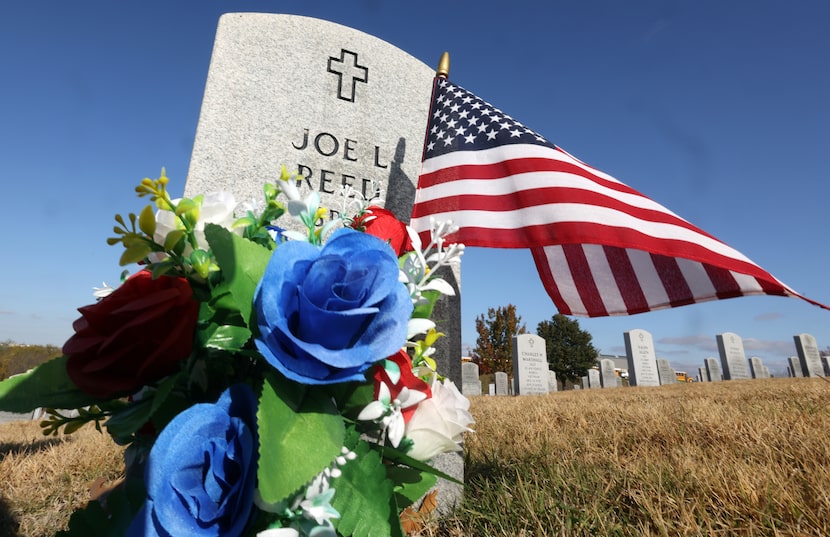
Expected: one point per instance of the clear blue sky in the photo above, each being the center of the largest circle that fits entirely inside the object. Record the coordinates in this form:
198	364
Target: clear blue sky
718	110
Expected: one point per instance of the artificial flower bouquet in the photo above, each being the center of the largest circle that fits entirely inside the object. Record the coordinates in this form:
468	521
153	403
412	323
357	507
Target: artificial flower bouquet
266	382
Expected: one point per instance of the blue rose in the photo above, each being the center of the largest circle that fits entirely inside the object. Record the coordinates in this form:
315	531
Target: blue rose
326	315
201	472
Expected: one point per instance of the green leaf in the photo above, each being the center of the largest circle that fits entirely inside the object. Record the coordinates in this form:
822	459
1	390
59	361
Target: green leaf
147	221
172	239
134	253
363	497
229	338
47	385
410	484
243	263
300	434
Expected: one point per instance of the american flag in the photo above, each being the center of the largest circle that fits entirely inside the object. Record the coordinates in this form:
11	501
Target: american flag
601	247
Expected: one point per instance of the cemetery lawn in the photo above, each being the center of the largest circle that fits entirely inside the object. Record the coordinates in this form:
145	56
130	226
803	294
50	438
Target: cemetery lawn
730	458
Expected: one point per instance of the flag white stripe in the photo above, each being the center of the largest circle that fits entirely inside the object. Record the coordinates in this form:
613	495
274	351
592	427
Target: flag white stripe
647	276
521	182
696	277
604	277
561	272
577	212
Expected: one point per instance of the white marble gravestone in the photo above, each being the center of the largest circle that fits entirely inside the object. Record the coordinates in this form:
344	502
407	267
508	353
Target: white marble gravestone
732	356
470	381
702	376
808	355
794	366
553	385
594	379
642	363
666	372
756	367
501	383
530	365
713	370
608	373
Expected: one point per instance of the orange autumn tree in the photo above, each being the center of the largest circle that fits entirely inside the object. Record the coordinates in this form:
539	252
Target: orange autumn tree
494	344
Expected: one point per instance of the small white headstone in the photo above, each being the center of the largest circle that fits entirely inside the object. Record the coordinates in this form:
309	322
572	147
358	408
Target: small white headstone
794	367
756	367
608	373
732	357
530	365
666	372
553	386
701	375
501	383
713	370
593	379
808	355
470	383
491	389
642	362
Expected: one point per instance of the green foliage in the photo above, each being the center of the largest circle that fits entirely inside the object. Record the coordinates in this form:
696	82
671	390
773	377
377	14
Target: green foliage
494	345
363	497
569	348
301	433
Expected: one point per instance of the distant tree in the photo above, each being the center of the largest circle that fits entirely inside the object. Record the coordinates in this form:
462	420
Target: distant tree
569	348
825	351
494	345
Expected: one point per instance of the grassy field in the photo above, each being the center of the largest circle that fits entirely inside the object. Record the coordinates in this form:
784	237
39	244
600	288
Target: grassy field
731	458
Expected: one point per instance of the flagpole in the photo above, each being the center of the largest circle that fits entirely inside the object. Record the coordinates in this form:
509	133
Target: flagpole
443	70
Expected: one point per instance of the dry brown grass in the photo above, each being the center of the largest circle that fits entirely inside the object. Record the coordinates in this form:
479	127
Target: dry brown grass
734	458
731	458
45	478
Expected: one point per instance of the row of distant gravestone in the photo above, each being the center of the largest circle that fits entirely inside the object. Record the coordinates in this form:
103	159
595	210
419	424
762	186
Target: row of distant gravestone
532	376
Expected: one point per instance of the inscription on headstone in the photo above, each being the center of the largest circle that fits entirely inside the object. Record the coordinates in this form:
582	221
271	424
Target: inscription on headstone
732	357
642	363
609	373
808	355
501	383
530	365
713	370
666	372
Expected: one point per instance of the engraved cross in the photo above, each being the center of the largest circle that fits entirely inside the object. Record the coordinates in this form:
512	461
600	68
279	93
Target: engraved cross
352	74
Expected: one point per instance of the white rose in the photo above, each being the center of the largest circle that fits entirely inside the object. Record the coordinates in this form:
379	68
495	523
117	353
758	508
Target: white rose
437	426
217	208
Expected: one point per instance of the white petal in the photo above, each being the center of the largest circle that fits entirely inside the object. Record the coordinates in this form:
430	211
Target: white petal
437	284
418	326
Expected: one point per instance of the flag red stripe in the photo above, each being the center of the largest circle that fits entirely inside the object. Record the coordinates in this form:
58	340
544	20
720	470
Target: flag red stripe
581	272
626	280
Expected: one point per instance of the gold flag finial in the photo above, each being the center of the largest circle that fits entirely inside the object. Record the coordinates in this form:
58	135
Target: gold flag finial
443	70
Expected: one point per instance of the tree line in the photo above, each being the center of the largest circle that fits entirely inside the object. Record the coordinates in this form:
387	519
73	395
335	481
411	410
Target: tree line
570	352
16	358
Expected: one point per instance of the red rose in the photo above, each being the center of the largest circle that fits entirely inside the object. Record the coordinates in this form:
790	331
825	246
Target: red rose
407	380
381	223
134	336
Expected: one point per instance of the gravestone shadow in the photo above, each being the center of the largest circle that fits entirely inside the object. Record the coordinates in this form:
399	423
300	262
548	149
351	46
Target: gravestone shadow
9	525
